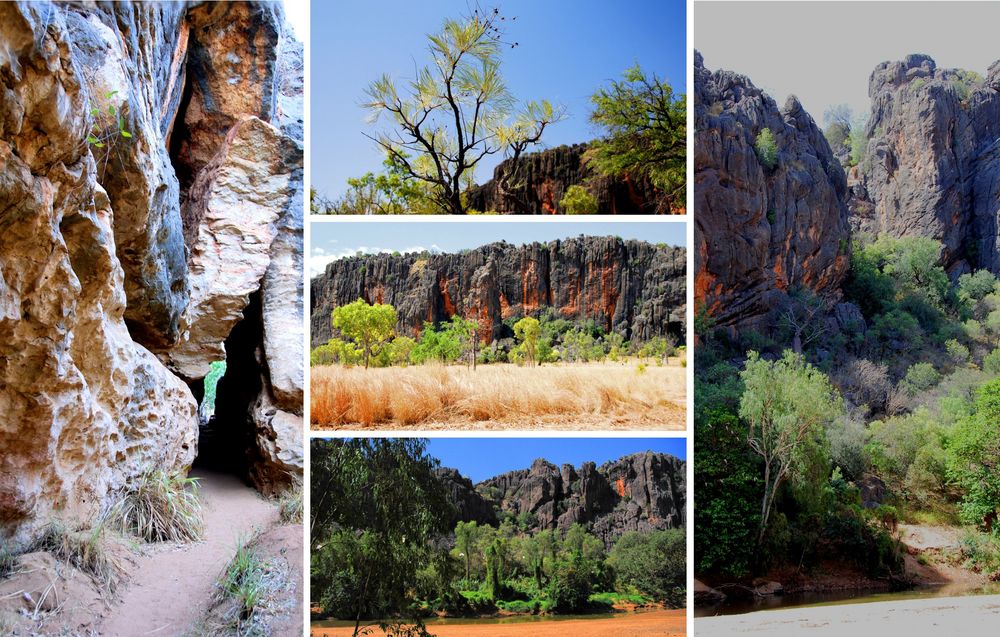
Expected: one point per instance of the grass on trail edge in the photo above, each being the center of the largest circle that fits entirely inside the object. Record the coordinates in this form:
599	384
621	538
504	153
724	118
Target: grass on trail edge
160	507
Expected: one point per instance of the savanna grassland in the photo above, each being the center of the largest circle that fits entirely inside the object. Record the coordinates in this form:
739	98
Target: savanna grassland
597	395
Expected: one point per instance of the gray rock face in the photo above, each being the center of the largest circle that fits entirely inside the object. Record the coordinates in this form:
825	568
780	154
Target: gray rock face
932	165
640	492
545	177
760	232
470	506
635	288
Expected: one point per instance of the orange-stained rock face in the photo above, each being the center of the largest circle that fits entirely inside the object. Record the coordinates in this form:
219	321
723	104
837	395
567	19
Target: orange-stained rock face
761	232
631	286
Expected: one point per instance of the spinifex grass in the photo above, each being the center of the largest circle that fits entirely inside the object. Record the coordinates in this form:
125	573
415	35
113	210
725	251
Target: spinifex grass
249	583
160	507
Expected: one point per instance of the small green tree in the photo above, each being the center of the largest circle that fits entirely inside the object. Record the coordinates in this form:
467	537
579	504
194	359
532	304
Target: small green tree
370	326
466	537
458	111
767	149
974	458
787	405
527	331
466	334
577	201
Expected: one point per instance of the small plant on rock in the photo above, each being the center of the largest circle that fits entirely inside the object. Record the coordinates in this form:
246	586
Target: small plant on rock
108	126
767	149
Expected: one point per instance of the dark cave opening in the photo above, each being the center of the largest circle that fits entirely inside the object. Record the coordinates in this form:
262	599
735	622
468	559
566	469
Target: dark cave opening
226	432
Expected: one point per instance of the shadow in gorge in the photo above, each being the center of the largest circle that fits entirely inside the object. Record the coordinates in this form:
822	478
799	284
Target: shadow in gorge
226	436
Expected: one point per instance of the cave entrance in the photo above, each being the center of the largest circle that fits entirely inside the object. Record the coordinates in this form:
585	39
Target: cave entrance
226	399
217	448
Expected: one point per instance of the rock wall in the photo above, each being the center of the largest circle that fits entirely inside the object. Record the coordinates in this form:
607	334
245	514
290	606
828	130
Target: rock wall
632	287
100	291
760	232
640	492
932	164
545	177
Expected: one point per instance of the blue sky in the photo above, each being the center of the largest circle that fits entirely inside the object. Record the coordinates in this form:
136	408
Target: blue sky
566	50
334	240
481	458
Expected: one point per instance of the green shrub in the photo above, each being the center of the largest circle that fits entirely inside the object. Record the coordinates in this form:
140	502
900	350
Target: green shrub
577	201
919	378
991	363
767	149
958	352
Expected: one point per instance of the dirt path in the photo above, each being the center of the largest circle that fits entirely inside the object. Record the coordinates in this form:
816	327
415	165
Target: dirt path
171	585
942	616
662	623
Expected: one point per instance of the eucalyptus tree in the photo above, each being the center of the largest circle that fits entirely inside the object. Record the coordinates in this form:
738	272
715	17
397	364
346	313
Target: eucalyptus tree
457	111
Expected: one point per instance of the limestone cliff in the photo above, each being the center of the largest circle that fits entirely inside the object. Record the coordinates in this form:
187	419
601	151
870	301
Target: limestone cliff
635	288
761	231
932	164
641	492
126	260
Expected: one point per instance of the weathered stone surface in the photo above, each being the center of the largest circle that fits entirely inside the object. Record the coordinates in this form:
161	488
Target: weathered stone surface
640	492
469	504
546	175
761	232
632	287
233	207
85	409
932	165
93	265
131	59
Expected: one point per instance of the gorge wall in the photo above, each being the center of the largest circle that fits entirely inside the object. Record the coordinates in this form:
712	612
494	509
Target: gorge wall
761	232
126	261
932	164
545	176
640	492
635	288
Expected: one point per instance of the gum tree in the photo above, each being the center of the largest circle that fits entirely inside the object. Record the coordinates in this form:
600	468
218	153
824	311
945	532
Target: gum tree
456	111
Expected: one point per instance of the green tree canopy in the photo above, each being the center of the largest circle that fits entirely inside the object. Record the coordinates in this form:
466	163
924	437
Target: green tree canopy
787	405
369	326
646	128
527	330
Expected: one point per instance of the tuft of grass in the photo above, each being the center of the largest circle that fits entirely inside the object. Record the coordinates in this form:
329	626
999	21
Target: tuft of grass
9	562
247	582
290	505
86	550
160	507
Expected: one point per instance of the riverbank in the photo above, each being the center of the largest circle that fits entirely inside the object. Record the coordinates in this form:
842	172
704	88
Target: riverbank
939	616
662	623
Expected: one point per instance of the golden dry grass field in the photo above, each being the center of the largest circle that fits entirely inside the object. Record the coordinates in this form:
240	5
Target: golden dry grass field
500	396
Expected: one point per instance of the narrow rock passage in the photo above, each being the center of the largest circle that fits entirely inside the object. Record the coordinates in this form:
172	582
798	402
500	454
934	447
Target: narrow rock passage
171	586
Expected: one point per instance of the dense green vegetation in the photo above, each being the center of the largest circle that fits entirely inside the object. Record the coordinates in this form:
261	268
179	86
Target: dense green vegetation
386	546
369	338
458	111
796	424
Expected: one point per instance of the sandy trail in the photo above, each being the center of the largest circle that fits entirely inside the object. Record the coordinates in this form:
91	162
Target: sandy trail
662	623
939	616
171	585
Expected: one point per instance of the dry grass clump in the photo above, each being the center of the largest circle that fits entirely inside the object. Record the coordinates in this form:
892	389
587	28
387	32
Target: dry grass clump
160	507
454	394
9	561
290	505
86	549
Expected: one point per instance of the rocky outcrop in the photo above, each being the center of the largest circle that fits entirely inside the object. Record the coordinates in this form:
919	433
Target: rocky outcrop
632	287
97	283
759	231
469	504
544	177
641	492
932	164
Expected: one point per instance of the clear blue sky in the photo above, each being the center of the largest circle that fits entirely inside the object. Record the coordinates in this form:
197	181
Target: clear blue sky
482	458
334	240
566	50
